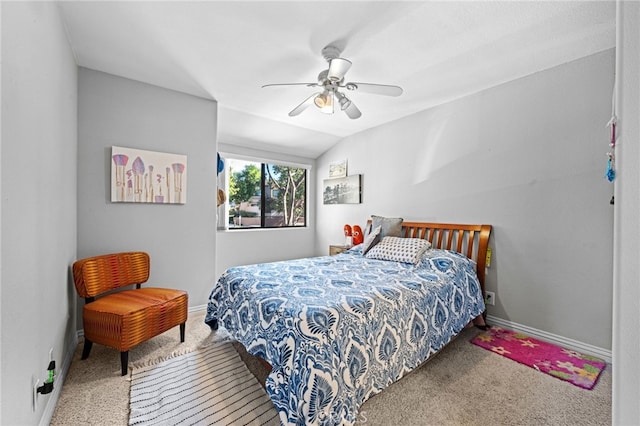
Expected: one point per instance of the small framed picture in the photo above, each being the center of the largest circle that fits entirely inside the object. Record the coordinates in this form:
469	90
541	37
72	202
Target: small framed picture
337	170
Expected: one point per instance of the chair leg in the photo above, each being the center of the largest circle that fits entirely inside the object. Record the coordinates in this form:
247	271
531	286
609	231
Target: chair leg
87	348
182	329
124	361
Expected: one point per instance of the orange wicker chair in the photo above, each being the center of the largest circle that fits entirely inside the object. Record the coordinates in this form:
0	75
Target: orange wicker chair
123	319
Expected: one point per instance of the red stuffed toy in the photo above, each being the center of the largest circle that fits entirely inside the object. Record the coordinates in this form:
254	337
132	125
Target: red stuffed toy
358	237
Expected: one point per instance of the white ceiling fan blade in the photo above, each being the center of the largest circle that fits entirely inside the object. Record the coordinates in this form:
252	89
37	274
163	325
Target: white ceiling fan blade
352	111
304	105
290	84
338	67
376	89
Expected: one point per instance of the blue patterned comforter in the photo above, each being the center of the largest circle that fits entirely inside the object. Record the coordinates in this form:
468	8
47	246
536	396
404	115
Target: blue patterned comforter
339	329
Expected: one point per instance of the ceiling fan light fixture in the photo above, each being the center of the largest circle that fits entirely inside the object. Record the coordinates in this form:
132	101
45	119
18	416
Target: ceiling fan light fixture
324	101
343	101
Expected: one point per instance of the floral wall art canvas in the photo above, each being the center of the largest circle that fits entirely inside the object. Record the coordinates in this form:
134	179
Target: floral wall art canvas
139	176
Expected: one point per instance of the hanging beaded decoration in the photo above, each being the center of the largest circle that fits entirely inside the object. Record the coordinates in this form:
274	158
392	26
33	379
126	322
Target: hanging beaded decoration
611	165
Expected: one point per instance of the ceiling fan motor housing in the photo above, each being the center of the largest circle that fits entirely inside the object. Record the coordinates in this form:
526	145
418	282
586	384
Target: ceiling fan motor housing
331	52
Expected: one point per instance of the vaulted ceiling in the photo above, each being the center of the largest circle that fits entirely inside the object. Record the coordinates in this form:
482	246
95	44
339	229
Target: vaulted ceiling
226	50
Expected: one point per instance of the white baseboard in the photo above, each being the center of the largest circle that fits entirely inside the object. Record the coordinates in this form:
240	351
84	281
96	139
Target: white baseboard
199	308
585	348
61	374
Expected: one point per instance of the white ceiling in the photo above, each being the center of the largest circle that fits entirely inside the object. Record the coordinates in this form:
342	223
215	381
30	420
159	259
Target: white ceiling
226	50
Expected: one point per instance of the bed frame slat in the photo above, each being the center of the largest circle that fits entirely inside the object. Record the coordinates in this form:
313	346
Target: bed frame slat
469	243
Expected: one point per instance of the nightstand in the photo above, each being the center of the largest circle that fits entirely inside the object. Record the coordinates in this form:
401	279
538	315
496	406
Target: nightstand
337	249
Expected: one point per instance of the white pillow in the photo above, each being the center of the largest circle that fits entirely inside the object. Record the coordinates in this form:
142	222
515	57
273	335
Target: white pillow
407	250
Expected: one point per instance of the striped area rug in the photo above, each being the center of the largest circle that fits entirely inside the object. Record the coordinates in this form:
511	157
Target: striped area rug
210	386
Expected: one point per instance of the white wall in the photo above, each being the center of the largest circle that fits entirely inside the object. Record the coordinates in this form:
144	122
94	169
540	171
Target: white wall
39	143
626	278
179	238
527	157
245	247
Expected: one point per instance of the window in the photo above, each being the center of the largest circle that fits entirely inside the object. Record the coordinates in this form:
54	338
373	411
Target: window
264	195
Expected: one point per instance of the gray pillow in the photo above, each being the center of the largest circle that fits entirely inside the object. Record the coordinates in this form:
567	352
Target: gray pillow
390	226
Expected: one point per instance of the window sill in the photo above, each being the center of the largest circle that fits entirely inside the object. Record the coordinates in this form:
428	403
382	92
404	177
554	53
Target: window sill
243	230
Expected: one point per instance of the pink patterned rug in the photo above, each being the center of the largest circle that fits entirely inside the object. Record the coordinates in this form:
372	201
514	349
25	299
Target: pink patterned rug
571	366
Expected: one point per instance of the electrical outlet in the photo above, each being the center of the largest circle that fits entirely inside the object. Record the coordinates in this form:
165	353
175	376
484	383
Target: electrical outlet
35	383
490	298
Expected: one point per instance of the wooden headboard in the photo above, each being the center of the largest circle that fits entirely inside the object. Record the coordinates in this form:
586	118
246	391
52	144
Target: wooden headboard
469	240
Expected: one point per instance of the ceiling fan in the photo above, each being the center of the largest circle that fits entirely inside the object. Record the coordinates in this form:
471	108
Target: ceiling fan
331	83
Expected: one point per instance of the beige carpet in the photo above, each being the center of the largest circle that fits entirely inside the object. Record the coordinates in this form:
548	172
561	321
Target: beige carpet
462	385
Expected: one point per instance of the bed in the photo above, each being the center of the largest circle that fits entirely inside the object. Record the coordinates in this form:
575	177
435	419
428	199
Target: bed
337	330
